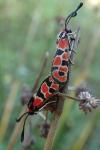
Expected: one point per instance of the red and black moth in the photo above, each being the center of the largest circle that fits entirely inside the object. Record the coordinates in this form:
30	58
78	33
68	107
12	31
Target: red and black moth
59	72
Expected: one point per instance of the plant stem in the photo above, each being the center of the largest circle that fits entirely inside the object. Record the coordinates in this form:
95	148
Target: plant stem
59	109
68	96
48	145
54	124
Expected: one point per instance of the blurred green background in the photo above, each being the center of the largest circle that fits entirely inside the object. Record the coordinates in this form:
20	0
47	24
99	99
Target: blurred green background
28	29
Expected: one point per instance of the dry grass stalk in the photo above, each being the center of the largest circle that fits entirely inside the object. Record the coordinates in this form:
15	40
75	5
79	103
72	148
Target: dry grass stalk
58	111
15	133
8	110
17	128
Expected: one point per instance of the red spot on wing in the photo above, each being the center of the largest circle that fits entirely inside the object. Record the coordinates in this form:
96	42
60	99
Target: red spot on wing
65	56
48	95
37	102
44	88
62	79
57	61
63	69
55	74
58	77
55	86
63	43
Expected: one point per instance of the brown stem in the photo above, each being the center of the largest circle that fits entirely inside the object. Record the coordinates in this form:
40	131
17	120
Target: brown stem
69	97
54	124
48	145
9	105
55	120
58	111
45	58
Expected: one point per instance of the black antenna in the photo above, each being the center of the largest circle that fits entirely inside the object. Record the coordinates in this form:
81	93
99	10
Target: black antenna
18	120
73	14
22	134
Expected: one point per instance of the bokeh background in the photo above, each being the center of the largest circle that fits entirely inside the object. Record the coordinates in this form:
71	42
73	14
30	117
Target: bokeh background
28	29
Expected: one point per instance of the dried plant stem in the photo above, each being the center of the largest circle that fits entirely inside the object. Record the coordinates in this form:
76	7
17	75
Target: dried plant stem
54	124
41	71
58	111
15	133
8	109
69	97
33	27
48	145
17	128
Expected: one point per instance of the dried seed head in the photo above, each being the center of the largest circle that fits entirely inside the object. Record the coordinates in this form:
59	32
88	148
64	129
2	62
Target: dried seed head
84	95
82	92
87	101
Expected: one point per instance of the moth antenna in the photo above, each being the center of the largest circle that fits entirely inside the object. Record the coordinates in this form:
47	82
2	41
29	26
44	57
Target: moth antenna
22	134
18	120
73	14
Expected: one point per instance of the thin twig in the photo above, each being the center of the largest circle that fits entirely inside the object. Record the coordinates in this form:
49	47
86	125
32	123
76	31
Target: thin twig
54	124
48	145
68	96
8	110
41	71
